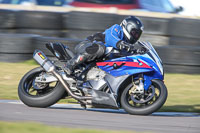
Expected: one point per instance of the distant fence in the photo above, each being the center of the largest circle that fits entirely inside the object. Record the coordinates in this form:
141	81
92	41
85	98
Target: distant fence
177	40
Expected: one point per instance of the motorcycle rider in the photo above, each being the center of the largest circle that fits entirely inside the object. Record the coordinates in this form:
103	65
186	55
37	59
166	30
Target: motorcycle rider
122	37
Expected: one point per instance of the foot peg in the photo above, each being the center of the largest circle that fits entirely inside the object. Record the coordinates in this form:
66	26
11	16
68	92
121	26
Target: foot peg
67	69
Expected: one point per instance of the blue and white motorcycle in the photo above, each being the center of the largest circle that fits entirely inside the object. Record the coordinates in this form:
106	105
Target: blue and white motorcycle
132	82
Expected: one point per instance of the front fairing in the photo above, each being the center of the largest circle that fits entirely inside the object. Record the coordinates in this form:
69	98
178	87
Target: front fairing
135	64
156	73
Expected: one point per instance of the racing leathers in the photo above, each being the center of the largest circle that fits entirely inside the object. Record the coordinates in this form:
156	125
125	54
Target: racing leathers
95	46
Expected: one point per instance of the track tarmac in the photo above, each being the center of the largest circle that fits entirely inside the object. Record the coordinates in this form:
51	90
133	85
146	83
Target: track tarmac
73	116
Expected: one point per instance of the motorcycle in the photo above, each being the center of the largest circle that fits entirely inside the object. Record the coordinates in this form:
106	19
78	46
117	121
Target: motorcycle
132	82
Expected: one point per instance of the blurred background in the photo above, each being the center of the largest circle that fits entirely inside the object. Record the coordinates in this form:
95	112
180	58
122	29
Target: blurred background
172	26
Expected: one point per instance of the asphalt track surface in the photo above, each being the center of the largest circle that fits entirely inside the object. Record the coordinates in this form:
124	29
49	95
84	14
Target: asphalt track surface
74	116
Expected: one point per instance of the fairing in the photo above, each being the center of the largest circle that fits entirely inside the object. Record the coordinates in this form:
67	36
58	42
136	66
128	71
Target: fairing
125	65
149	64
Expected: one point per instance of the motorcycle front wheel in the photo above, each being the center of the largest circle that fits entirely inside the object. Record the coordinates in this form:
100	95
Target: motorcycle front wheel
159	91
43	96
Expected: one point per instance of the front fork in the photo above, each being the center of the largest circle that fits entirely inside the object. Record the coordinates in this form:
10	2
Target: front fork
139	92
143	84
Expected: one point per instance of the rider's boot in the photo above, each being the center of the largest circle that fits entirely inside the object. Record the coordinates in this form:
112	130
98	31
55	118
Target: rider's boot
72	63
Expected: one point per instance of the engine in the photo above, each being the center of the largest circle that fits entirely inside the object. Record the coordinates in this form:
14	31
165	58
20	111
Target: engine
95	74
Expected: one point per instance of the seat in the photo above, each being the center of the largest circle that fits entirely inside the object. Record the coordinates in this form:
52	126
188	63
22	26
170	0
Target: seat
62	52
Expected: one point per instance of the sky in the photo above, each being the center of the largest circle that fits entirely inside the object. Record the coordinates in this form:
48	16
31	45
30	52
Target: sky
191	7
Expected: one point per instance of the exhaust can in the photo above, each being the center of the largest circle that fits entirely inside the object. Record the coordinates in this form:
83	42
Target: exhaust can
42	59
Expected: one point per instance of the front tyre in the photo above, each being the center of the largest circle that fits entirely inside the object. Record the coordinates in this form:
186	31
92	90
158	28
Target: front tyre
154	104
34	97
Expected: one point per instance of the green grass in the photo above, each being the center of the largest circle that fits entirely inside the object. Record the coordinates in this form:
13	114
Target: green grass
11	127
10	75
183	89
183	93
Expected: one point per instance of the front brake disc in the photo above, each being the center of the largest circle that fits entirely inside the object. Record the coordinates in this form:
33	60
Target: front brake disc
135	98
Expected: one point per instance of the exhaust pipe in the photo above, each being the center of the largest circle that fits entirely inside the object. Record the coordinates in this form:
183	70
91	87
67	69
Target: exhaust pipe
48	66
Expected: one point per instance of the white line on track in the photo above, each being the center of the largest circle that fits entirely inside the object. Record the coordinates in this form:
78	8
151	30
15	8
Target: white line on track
77	106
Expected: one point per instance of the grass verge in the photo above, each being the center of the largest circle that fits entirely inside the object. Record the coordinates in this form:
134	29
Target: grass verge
12	127
183	93
10	75
183	89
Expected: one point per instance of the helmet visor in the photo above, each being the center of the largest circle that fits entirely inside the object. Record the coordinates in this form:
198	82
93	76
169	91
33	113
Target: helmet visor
135	34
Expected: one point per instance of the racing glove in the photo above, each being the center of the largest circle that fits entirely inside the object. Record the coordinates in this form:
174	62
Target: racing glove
122	45
141	50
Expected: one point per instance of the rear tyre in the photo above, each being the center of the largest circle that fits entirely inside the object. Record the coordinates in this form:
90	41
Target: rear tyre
145	108
39	98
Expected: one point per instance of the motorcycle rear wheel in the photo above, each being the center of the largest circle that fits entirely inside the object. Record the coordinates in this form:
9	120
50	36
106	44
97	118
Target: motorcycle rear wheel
39	98
146	108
